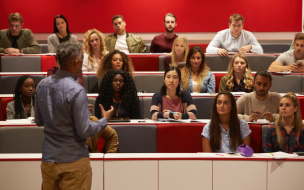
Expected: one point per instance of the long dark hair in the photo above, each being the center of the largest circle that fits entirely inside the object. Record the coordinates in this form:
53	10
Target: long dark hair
67	25
234	125
163	89
17	96
129	98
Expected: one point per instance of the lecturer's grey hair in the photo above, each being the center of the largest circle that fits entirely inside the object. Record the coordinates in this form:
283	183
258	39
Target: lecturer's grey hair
67	52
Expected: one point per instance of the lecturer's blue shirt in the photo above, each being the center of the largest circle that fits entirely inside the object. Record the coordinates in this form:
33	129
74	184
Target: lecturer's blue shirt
62	108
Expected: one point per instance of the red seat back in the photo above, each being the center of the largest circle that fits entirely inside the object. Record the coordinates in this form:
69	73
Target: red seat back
145	62
47	62
4	102
256	138
179	138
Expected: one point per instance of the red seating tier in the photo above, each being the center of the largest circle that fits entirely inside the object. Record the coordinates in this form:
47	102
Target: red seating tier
202	45
145	62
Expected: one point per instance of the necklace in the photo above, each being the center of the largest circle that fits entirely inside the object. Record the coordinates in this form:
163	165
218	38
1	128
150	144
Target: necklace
116	110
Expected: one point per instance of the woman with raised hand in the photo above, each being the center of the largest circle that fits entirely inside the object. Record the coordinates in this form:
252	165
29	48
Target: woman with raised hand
225	132
178	54
22	106
287	133
94	50
196	75
171	102
238	78
118	89
61	34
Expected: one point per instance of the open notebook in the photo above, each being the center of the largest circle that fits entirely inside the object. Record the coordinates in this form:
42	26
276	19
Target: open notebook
279	155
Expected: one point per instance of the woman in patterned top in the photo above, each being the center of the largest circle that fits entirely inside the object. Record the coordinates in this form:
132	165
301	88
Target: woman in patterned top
238	78
287	133
171	102
225	132
23	104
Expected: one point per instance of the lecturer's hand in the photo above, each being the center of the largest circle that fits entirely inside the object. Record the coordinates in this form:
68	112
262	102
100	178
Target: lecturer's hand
106	114
222	52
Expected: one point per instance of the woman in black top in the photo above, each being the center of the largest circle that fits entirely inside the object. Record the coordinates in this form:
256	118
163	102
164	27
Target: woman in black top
117	89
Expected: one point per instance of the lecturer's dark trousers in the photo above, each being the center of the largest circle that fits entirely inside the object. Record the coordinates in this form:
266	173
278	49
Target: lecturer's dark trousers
67	176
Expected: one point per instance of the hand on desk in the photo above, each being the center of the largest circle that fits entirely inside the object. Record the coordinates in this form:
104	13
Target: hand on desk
245	49
268	116
176	115
255	116
222	52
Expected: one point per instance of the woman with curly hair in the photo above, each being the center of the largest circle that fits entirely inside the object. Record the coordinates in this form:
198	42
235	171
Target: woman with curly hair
287	133
196	75
94	50
178	54
23	104
118	89
238	78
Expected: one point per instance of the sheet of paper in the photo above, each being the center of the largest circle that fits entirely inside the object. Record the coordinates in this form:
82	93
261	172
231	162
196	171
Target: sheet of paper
18	121
279	155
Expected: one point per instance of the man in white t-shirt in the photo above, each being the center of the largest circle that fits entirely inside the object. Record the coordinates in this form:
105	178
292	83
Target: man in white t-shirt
289	60
122	40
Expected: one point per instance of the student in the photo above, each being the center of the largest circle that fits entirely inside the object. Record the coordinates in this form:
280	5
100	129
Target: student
23	104
94	50
287	61
114	60
238	78
287	133
178	54
117	89
108	134
15	40
122	40
261	103
171	99
234	39
163	43
61	34
225	132
196	75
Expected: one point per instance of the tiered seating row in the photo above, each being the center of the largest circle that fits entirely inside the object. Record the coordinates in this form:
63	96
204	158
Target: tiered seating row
267	47
141	62
151	82
133	138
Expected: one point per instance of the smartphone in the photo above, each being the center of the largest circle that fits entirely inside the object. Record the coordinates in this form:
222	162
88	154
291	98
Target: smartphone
141	121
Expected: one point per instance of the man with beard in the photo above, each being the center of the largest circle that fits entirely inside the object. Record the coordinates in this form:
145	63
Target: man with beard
234	39
163	43
289	60
122	40
260	103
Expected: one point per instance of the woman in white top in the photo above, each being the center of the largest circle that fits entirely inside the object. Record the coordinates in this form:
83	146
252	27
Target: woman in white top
94	50
61	34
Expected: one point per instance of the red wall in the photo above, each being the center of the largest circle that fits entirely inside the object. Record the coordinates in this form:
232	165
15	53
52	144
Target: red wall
147	16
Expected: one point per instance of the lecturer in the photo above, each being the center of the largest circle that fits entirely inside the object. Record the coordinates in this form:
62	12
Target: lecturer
62	108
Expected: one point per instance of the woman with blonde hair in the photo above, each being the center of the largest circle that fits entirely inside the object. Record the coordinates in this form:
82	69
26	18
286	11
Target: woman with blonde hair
178	54
196	75
287	133
238	78
94	50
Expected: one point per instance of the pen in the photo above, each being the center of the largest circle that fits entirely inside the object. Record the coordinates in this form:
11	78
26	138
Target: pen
255	112
271	154
173	112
